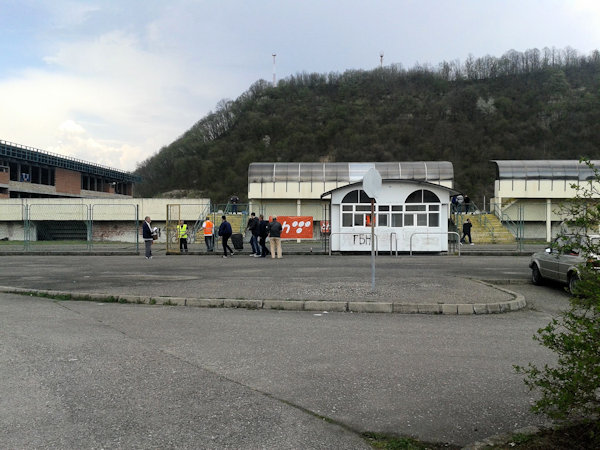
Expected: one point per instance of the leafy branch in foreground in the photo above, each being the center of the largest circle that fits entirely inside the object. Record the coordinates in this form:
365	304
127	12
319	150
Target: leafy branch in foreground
571	389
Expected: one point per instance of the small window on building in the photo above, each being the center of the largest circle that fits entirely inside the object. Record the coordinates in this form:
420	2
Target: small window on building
434	220
422	196
382	220
351	197
347	219
430	197
396	220
364	198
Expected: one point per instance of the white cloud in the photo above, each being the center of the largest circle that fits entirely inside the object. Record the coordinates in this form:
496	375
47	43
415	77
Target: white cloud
118	82
108	88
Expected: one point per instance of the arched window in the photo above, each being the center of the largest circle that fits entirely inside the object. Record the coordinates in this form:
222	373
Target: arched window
357	196
420	210
351	197
356	206
422	196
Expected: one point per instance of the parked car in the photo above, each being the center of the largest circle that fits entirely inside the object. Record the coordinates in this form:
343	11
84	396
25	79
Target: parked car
561	261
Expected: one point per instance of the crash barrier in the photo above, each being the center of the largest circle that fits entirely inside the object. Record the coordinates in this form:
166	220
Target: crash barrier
426	233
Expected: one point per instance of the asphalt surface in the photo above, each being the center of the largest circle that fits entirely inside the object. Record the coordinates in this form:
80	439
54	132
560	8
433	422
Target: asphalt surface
405	279
98	375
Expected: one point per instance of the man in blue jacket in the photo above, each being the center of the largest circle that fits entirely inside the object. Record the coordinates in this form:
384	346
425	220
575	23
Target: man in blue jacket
225	233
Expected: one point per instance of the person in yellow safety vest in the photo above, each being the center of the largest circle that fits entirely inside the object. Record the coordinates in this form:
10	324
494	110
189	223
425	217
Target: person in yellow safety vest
182	234
208	228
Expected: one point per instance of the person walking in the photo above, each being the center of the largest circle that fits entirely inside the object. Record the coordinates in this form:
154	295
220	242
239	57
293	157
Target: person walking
225	232
208	228
466	229
147	236
275	238
252	226
263	233
183	236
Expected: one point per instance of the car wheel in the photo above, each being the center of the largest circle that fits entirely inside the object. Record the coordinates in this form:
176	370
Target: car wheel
573	280
536	276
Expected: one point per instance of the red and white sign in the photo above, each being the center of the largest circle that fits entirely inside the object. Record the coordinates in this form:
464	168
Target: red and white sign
296	227
325	227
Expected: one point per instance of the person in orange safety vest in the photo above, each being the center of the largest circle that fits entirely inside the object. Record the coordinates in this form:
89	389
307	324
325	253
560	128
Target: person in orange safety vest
209	239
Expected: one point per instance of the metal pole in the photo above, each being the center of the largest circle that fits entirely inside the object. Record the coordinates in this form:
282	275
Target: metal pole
373	245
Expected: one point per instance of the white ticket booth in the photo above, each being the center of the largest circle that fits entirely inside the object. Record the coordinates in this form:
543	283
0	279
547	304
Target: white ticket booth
409	215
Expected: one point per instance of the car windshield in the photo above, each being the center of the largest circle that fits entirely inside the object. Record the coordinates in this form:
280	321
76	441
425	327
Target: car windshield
573	244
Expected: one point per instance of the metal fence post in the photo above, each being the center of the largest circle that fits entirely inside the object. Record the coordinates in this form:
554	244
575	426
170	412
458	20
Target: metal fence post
26	228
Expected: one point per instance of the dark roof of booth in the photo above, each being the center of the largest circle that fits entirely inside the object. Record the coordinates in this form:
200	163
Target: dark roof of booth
544	169
265	172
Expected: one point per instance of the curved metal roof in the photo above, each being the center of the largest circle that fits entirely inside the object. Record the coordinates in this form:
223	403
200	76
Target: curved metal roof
544	169
349	172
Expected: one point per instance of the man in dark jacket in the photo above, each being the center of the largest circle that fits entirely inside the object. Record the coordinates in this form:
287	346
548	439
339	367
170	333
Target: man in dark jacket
225	233
147	236
466	228
263	232
253	225
275	238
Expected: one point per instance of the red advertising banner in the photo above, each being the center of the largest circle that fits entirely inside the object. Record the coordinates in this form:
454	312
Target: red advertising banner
296	227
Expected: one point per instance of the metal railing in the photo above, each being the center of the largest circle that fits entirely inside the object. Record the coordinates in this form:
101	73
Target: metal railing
426	233
395	241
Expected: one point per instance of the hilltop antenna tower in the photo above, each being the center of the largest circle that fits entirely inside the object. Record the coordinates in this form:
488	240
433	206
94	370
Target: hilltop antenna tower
274	78
381	59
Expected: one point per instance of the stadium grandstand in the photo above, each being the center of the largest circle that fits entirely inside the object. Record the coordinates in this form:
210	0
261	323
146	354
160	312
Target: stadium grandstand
27	172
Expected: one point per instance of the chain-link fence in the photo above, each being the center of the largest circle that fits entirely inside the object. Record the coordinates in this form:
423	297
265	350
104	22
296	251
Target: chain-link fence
114	228
320	225
12	230
59	227
190	237
54	226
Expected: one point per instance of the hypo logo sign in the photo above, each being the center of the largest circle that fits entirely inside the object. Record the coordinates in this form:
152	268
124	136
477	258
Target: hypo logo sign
295	227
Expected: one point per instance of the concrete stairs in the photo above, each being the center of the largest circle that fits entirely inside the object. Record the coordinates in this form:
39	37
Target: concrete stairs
487	229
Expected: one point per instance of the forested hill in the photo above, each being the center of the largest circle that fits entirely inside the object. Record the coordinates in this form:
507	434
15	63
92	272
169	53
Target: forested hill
531	105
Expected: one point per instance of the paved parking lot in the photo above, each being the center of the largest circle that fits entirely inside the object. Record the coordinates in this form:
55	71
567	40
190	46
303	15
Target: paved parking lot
97	375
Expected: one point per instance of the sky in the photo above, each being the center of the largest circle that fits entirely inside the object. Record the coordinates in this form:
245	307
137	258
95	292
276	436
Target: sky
114	81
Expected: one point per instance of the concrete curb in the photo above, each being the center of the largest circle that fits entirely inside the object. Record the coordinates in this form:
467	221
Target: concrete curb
518	302
502	439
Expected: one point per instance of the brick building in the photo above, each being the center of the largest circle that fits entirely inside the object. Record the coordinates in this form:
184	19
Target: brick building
26	172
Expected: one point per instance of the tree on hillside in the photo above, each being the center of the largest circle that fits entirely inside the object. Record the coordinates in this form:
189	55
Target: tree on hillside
523	105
